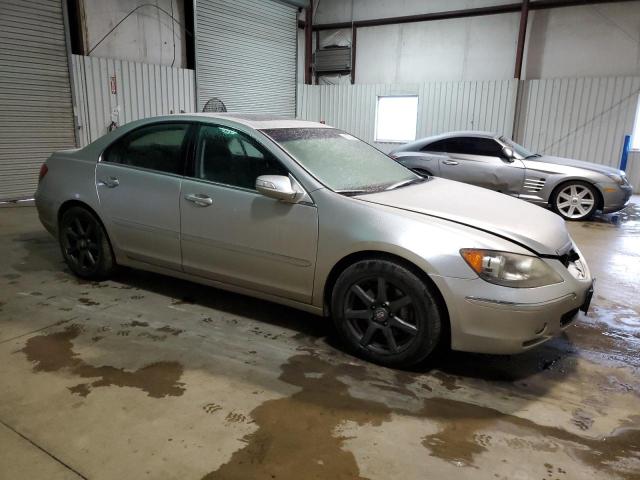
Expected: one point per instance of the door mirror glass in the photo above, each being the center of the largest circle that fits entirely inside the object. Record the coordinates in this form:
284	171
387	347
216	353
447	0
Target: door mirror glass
278	187
507	153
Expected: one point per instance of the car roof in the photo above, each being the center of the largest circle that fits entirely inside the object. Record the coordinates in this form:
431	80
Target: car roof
258	121
420	143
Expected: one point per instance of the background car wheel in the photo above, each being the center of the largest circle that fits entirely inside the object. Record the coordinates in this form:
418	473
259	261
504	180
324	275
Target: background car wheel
85	246
575	201
385	313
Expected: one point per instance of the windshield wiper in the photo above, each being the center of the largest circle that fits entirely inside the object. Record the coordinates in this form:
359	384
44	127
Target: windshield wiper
533	155
405	183
354	192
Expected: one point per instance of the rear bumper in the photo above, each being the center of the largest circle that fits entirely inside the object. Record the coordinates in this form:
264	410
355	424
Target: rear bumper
615	197
47	213
487	318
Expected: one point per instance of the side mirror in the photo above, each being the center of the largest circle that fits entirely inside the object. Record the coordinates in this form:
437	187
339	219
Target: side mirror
278	187
507	152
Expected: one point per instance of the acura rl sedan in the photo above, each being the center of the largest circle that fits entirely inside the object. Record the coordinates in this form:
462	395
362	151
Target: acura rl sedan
572	188
309	216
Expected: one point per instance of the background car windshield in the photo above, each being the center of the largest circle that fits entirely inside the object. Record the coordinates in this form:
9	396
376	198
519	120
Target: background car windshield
341	161
518	149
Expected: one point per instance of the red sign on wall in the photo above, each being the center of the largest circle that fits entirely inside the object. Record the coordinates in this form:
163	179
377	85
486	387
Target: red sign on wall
114	86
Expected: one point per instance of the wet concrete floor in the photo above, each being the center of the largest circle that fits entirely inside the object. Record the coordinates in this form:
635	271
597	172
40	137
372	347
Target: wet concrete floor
145	376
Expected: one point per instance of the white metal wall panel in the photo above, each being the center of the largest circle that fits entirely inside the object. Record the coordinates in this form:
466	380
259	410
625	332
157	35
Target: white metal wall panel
36	114
584	118
442	106
246	55
142	90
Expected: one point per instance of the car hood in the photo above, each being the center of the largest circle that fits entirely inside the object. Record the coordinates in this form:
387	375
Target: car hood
534	227
569	162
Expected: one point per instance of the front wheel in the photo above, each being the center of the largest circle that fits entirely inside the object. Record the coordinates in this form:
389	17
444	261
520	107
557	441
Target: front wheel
575	201
385	313
85	246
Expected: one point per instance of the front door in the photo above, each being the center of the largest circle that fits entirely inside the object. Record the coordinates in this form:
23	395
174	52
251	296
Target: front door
480	161
138	181
233	234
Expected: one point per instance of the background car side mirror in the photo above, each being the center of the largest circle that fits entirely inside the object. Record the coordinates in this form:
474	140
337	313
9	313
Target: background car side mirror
507	153
278	187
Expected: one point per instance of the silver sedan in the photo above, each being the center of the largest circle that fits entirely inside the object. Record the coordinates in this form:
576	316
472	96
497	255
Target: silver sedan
311	217
572	188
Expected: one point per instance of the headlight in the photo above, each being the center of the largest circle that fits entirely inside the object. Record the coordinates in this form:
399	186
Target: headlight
510	269
619	179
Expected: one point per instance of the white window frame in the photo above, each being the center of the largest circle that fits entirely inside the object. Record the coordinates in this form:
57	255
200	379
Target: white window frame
409	138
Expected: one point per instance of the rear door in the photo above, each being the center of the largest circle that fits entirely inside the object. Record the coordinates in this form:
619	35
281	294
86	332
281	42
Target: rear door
233	234
480	161
138	180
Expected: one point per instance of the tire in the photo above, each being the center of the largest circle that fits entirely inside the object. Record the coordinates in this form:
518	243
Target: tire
385	313
575	201
84	244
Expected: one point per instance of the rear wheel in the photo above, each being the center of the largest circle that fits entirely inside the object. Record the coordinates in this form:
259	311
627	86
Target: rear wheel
85	246
385	313
575	201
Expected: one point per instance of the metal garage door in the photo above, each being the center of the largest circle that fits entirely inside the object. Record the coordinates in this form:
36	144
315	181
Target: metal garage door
36	116
246	55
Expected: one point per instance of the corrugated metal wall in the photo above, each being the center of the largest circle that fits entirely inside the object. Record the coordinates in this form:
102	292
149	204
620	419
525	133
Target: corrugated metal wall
583	118
442	106
142	90
246	55
36	115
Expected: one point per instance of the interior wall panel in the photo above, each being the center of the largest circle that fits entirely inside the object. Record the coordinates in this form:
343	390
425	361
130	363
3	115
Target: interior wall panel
141	90
584	118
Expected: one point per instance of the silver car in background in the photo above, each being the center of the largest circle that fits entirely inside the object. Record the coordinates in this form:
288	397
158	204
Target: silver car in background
309	216
572	188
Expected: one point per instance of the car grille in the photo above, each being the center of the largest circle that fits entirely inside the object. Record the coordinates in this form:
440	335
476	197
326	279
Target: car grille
534	184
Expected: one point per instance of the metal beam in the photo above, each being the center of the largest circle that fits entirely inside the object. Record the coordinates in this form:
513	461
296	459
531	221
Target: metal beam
522	35
470	12
308	44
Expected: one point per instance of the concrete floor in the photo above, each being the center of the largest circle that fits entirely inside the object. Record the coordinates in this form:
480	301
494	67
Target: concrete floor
150	377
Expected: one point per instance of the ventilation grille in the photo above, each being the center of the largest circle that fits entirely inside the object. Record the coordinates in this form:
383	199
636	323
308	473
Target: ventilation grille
336	59
534	184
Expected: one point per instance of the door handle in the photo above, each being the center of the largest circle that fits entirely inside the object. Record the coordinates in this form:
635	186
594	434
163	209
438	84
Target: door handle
450	162
199	199
111	182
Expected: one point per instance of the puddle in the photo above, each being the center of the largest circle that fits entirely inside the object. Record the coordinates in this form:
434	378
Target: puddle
54	352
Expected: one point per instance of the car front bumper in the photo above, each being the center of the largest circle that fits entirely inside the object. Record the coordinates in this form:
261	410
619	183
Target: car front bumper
614	196
487	318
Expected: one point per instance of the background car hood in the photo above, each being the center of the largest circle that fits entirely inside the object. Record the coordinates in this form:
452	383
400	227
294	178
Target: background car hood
593	167
529	225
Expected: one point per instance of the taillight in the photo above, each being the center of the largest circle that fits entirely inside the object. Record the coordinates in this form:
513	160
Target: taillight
43	171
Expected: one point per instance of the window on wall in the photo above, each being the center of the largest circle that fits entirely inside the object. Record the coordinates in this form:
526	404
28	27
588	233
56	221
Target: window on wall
635	136
396	118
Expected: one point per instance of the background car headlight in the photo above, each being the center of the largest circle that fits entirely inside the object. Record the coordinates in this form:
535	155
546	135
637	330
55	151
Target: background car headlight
619	179
510	269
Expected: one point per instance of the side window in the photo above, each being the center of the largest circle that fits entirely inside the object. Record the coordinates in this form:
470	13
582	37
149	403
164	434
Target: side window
156	147
439	146
479	146
227	156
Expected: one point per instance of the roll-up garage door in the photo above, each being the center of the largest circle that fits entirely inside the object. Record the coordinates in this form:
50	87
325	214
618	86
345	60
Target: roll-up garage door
246	55
36	114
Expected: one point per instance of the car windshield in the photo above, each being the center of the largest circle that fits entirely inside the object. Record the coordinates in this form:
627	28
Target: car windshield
519	150
342	162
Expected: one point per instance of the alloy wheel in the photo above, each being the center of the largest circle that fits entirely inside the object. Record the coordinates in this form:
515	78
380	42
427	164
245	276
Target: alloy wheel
81	242
380	315
575	201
